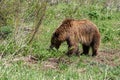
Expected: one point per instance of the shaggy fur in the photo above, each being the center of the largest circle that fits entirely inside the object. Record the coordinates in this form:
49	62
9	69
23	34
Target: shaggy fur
75	32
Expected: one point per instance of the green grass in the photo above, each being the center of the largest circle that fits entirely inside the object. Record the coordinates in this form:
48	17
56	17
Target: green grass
103	67
78	70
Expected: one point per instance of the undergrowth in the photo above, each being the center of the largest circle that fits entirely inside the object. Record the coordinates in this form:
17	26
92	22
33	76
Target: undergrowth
15	44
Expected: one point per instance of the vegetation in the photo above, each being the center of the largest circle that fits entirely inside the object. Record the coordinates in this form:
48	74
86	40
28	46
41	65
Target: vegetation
26	27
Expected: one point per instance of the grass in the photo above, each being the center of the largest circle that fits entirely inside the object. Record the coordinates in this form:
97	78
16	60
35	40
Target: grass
78	69
55	65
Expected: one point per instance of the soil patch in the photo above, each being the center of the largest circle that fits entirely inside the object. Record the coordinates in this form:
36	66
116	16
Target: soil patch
104	57
108	58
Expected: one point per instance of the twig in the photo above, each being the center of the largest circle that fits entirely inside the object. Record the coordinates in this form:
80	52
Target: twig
39	23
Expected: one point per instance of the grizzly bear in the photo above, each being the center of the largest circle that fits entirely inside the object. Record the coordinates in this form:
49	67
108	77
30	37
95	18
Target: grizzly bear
75	32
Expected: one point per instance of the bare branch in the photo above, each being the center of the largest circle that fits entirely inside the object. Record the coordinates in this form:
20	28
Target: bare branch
42	10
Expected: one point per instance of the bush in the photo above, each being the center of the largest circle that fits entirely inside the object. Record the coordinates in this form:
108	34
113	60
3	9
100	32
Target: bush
93	15
5	31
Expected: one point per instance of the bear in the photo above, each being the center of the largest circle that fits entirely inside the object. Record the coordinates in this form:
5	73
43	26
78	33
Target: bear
75	31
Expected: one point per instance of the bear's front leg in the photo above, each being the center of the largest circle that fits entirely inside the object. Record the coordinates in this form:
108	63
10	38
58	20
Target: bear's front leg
72	46
72	50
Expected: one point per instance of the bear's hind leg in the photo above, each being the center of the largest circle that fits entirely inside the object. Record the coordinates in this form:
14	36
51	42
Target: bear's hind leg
85	49
94	51
95	45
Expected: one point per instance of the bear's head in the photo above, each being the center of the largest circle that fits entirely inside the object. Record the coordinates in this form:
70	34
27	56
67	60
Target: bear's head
55	42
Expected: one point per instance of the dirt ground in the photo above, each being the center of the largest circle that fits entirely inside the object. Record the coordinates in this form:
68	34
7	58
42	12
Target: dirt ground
107	58
111	58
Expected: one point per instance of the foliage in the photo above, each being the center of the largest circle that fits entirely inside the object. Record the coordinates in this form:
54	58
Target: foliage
108	24
5	31
21	15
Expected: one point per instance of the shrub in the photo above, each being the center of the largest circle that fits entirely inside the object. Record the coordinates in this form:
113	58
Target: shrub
5	31
93	15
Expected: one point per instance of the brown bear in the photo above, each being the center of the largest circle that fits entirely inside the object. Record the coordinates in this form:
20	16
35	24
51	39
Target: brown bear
75	32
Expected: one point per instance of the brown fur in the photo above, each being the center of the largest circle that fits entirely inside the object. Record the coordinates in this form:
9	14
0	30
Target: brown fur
75	31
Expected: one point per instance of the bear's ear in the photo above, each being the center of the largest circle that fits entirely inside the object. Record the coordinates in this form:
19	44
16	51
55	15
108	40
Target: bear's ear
56	34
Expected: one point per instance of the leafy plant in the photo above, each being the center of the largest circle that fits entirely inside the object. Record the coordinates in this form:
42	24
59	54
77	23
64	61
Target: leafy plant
5	31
